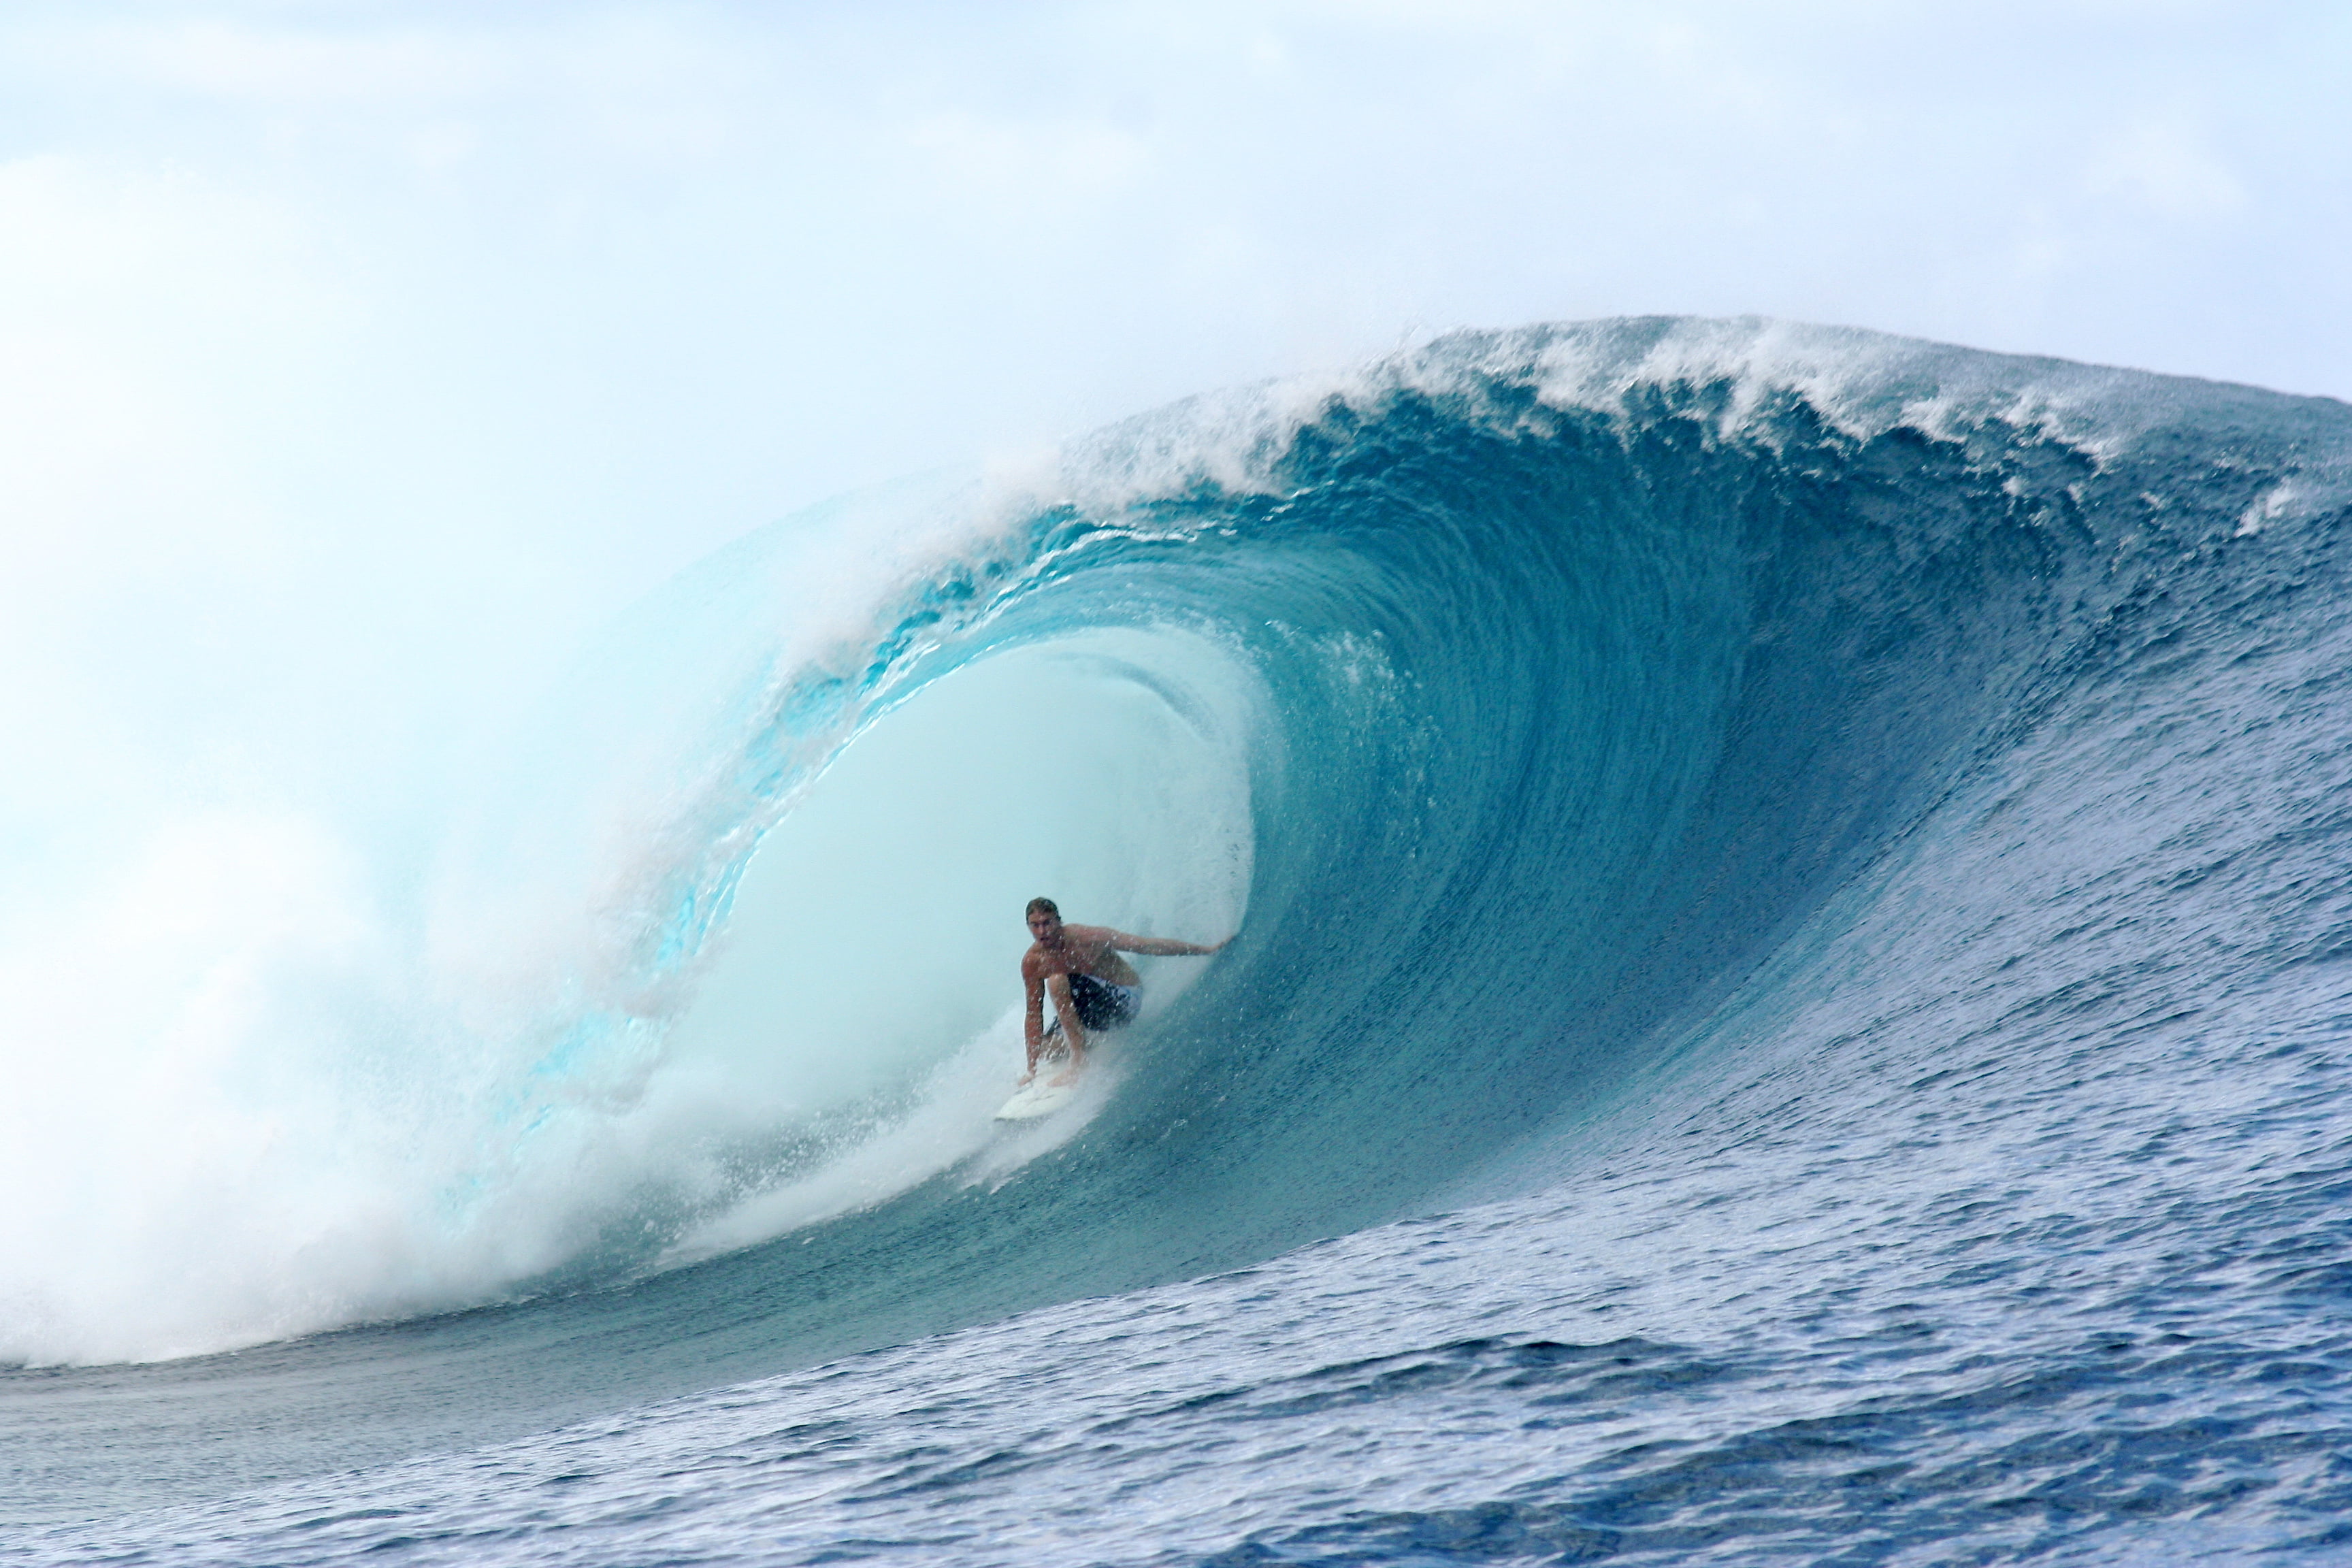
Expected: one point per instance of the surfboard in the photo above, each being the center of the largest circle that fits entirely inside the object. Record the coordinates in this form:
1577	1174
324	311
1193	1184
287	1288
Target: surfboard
1035	1098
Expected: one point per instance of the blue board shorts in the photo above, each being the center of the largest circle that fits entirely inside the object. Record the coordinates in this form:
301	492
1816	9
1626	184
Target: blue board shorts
1100	1005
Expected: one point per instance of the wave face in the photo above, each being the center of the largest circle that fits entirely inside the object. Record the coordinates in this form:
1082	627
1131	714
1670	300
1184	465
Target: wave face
1779	834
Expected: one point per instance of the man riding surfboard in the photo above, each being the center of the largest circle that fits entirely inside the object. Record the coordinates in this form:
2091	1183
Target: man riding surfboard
1091	985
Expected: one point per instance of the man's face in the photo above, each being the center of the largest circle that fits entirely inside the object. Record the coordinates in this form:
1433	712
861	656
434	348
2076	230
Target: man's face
1045	928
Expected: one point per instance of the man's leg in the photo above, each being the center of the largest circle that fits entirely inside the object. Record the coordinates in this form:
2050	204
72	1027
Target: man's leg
1066	1013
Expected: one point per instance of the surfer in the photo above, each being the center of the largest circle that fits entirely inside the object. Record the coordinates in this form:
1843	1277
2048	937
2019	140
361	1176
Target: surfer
1092	987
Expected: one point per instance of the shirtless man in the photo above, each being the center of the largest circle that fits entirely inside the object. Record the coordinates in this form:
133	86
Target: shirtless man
1092	987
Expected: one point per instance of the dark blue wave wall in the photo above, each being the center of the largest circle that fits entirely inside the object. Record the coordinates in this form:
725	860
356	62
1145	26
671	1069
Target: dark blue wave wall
1649	694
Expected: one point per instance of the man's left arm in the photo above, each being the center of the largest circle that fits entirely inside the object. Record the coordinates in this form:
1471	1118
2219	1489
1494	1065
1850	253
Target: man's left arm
1160	946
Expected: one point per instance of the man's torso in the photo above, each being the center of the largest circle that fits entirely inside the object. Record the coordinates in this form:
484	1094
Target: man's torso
1085	950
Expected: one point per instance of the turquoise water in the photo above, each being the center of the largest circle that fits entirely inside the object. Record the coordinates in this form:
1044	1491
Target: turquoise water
1788	1006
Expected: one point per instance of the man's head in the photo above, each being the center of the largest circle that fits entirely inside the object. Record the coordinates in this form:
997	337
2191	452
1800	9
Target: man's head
1044	921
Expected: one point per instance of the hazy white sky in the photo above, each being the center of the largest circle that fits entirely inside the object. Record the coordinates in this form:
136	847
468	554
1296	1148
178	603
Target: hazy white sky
392	333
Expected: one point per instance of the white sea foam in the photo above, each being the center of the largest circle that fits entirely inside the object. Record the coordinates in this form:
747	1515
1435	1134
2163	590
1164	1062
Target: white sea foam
1861	382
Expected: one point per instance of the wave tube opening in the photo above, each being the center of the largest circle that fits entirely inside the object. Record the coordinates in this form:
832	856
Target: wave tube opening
858	1021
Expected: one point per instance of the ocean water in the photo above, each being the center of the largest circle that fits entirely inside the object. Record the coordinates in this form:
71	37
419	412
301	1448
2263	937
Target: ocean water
1794	968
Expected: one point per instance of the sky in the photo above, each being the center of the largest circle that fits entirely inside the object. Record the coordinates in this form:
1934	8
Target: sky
357	360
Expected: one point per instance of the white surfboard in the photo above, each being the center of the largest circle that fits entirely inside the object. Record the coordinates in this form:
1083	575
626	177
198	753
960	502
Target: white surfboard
1039	1097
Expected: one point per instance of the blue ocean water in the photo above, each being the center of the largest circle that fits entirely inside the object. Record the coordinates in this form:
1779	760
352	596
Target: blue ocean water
1789	1006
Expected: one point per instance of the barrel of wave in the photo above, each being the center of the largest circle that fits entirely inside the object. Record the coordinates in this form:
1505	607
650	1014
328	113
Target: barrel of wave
861	1020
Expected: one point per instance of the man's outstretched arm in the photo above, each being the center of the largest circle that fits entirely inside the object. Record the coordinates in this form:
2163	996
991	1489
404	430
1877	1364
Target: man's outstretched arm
1160	946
